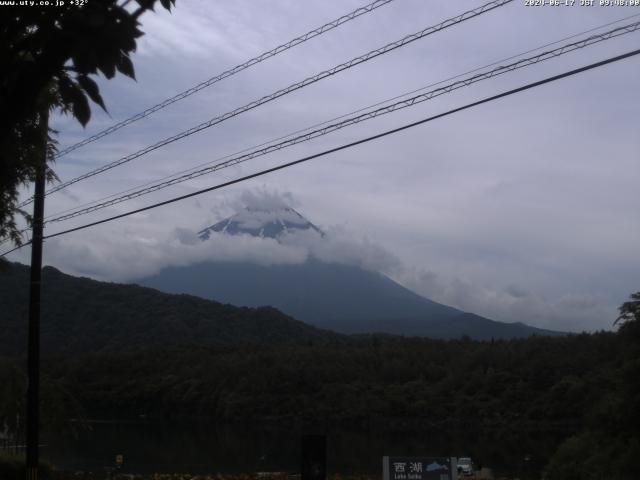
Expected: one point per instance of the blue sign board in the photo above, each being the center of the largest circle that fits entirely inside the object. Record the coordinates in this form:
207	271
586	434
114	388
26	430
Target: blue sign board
419	468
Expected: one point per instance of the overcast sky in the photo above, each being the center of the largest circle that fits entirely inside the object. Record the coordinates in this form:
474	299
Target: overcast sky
524	209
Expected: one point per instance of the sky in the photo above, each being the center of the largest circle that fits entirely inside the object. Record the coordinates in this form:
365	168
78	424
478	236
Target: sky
522	209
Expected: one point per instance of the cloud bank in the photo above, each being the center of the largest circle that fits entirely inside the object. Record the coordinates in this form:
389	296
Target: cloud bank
571	312
123	254
521	209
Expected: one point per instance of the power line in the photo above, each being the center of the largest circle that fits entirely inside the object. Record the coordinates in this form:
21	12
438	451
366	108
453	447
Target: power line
291	134
155	182
228	73
358	142
296	86
18	247
358	119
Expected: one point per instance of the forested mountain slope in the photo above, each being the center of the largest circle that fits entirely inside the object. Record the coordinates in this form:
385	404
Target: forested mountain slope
81	315
342	298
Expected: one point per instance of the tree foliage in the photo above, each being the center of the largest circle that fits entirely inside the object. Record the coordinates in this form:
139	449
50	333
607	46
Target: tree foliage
48	56
117	351
80	315
630	311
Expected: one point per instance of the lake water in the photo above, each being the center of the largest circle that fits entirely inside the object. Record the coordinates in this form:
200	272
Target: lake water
192	448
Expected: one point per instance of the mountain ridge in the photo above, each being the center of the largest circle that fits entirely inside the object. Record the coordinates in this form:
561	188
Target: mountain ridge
342	298
82	315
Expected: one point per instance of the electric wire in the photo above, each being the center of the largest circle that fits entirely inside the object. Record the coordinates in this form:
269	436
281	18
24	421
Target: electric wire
156	181
357	119
325	122
352	144
17	247
296	86
228	73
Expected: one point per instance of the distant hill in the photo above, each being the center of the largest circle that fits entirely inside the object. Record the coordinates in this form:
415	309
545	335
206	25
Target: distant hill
339	297
342	298
335	296
82	315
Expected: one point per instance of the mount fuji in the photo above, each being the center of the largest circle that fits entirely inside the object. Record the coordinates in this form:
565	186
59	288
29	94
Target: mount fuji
262	223
341	297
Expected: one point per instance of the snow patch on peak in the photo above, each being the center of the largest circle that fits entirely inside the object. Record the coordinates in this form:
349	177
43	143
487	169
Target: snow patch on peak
262	222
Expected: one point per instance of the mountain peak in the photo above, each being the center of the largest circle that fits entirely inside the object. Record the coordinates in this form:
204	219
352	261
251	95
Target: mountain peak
261	222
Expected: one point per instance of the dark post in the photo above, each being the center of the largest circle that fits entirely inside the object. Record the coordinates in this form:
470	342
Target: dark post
314	457
33	359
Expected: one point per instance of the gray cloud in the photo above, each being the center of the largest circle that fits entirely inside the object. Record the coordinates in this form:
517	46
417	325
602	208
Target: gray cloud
123	253
568	312
344	247
122	256
522	209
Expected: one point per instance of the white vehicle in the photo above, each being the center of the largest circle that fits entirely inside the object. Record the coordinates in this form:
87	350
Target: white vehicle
465	466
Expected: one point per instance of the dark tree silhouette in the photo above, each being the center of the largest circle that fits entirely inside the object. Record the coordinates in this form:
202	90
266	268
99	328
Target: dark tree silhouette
48	55
630	311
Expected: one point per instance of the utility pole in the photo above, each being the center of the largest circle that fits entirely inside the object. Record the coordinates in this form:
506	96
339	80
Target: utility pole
33	359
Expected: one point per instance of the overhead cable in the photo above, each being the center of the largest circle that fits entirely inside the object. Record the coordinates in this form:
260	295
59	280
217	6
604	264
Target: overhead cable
228	73
409	102
296	86
326	122
353	144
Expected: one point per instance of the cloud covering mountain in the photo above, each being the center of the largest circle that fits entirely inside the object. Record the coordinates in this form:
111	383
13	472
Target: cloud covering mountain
523	206
124	253
339	286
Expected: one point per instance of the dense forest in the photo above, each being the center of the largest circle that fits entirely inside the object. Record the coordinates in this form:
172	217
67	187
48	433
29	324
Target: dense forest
269	367
584	385
80	315
503	383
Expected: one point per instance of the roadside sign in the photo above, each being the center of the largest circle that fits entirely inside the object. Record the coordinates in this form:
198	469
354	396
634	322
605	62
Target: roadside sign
419	468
